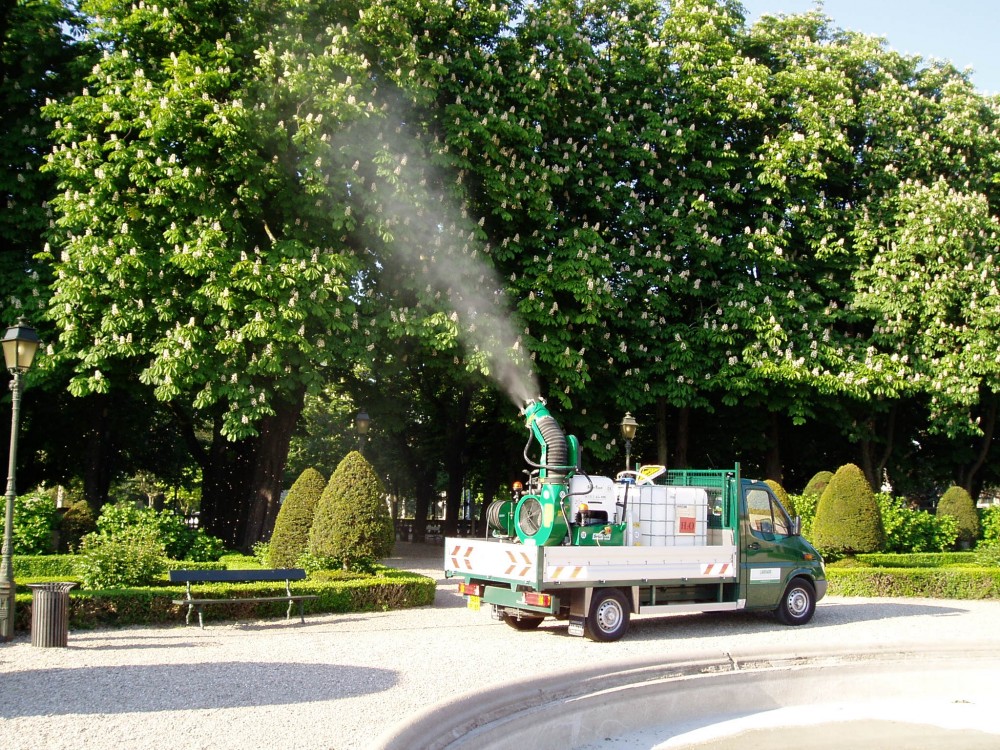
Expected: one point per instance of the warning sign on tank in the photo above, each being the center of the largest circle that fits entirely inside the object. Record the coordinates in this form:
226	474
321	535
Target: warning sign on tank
686	520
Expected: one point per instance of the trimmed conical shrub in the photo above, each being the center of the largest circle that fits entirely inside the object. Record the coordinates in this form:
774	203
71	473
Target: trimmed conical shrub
818	483
352	522
291	528
783	498
957	503
847	520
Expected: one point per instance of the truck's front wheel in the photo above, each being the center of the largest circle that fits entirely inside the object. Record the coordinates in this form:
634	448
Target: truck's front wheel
608	619
798	603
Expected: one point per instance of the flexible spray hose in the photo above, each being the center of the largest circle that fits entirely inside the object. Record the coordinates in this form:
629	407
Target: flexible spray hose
557	449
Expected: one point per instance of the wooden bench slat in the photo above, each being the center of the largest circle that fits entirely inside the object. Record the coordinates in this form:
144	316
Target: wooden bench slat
238	599
241	576
237	576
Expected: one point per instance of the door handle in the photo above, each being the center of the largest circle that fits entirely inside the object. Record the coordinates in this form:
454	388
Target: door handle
753	545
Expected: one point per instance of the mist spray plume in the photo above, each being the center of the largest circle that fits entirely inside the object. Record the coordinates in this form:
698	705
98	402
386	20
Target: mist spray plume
442	251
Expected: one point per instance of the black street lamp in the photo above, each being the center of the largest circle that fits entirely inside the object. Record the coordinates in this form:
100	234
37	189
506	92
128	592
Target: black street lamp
629	426
20	343
362	422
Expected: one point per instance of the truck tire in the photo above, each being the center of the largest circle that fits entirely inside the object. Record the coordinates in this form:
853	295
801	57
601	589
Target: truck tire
798	603
608	619
524	622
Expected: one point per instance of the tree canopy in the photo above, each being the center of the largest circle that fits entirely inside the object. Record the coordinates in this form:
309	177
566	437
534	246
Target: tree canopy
776	240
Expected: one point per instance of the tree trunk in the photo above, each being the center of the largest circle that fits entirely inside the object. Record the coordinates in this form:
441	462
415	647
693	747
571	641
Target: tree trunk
454	460
988	426
424	491
890	442
773	468
662	455
225	487
269	467
100	453
683	435
873	468
866	448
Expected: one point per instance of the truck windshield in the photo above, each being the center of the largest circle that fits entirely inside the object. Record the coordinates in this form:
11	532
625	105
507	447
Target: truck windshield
766	516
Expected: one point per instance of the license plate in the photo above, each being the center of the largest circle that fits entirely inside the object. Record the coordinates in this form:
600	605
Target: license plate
473	603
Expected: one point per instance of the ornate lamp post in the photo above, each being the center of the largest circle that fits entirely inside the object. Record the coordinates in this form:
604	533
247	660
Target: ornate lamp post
629	426
20	343
362	422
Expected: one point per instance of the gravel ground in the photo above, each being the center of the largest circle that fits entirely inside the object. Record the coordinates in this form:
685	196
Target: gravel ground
341	681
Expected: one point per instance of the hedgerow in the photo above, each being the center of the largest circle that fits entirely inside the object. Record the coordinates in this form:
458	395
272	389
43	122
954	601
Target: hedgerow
152	605
934	583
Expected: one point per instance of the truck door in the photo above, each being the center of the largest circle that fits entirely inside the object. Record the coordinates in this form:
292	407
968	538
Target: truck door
766	558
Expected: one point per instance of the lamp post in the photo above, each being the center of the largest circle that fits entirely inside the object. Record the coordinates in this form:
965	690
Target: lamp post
362	422
20	343
629	426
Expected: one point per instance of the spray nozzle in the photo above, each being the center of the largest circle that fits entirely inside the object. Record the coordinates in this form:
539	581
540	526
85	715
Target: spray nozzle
531	402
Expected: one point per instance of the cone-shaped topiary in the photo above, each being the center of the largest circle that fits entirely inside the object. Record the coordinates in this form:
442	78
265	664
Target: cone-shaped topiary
957	503
783	498
847	516
352	522
818	483
291	528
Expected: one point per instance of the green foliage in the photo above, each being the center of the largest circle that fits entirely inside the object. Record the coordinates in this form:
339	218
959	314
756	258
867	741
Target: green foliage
334	574
44	566
990	525
40	60
913	530
352	522
167	527
804	506
76	523
343	592
311	563
937	583
847	516
204	547
35	521
258	559
988	555
125	559
922	560
805	224
957	503
291	528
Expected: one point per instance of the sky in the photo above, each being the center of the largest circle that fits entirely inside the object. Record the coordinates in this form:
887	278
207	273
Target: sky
966	32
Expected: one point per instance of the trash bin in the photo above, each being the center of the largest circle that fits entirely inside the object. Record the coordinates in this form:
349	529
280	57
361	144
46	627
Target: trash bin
50	613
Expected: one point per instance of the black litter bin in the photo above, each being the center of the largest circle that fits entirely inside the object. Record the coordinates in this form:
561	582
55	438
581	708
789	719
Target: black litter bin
50	614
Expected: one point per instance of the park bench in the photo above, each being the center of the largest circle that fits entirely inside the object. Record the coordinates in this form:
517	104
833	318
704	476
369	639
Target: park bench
240	576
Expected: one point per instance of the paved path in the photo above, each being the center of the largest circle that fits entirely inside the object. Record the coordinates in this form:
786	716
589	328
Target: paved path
341	681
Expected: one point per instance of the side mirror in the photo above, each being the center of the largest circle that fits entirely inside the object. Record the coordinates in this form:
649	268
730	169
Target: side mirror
797	526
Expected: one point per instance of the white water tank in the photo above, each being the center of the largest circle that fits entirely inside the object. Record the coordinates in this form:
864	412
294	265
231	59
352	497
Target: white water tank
667	516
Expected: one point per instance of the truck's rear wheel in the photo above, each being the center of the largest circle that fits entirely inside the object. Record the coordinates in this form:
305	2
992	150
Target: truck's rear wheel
798	603
524	622
608	619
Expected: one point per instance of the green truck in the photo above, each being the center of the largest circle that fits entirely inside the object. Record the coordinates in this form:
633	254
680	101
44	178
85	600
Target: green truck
594	550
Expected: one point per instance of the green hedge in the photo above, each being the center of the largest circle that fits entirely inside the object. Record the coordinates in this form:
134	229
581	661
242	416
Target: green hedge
935	583
44	566
153	605
920	559
63	567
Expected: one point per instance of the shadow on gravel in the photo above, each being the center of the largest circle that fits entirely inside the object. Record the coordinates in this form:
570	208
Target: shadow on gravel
182	687
709	625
